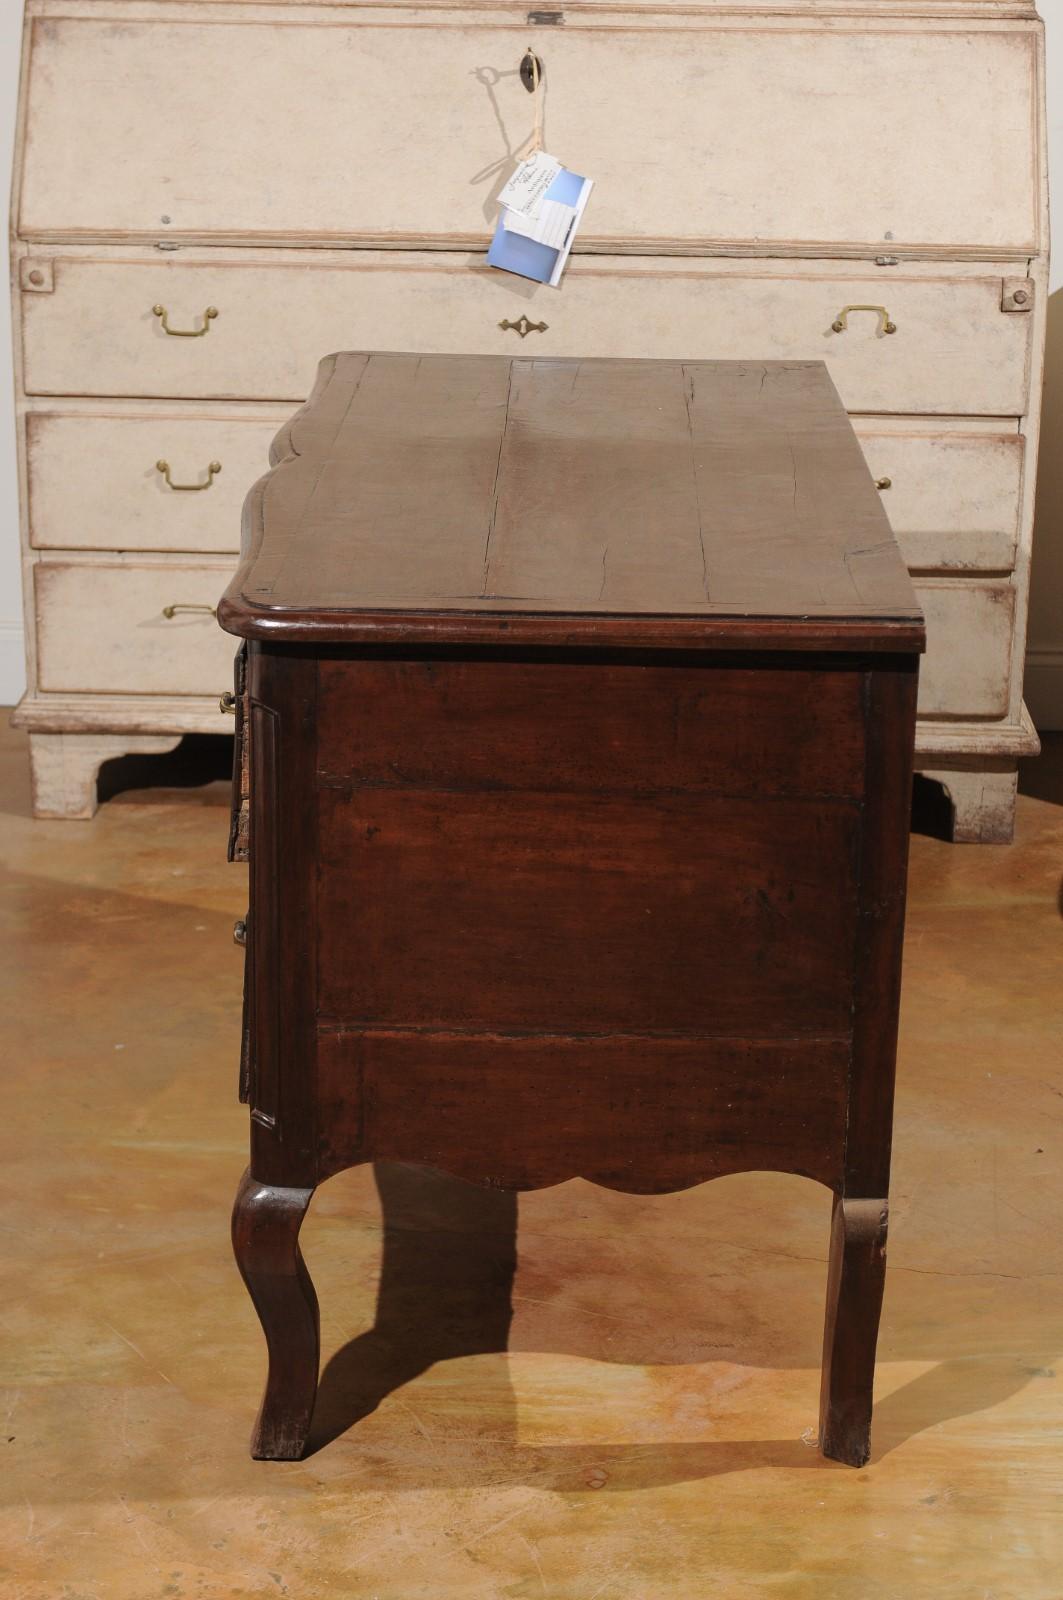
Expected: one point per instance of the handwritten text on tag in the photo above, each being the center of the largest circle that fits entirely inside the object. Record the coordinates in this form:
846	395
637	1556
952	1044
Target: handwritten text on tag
525	190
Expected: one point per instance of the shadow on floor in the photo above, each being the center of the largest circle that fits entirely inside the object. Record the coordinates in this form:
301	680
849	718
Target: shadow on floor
201	759
931	809
449	1257
446	1278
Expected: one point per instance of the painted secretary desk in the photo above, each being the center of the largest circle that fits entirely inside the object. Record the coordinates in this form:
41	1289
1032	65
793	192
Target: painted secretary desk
209	194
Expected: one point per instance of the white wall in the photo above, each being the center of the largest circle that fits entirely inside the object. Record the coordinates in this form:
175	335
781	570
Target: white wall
1045	659
12	674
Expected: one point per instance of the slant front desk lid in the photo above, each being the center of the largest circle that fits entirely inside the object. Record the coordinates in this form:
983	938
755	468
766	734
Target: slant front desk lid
480	499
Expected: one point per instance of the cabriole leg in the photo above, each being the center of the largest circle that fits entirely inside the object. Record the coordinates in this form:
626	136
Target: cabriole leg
854	1301
265	1230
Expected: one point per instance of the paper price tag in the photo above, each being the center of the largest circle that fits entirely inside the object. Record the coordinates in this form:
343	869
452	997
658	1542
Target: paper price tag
525	190
538	247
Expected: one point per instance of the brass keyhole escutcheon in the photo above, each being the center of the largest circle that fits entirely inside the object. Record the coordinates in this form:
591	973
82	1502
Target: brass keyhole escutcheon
523	326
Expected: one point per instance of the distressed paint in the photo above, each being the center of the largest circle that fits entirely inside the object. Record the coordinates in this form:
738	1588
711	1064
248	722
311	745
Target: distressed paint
739	250
770	135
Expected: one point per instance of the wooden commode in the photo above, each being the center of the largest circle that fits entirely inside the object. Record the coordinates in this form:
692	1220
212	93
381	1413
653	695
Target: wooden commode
208	190
575	733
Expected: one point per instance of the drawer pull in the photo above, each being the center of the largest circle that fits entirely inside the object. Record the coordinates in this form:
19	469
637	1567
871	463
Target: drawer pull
240	931
188	488
523	326
885	325
883	483
171	611
185	333
227	703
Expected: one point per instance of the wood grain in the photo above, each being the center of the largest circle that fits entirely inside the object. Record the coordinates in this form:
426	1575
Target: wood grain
665	721
265	1236
524	912
549	489
592	1108
586	912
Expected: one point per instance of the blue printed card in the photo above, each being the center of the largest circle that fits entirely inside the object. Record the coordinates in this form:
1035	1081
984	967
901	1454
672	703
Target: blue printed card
535	241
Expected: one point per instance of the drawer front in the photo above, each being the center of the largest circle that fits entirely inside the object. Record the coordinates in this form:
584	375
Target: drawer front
95	482
954	494
93	331
399	130
101	628
966	671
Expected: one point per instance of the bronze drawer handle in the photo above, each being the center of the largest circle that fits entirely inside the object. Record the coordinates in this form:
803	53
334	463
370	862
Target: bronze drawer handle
188	488
883	483
523	326
185	333
171	611
227	703
885	325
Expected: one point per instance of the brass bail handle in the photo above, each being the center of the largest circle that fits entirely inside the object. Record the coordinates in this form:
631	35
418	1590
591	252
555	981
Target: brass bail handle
185	333
172	610
213	469
885	323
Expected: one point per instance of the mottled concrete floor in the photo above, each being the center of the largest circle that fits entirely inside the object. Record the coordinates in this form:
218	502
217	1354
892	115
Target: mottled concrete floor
648	1436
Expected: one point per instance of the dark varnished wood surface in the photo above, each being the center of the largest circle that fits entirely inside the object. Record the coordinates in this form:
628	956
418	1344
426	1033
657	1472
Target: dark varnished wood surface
603	890
587	913
557	501
627	723
583	1107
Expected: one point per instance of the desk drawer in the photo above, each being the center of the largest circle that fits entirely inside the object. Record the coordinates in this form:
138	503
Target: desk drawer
90	328
396	127
966	671
954	491
101	628
94	483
